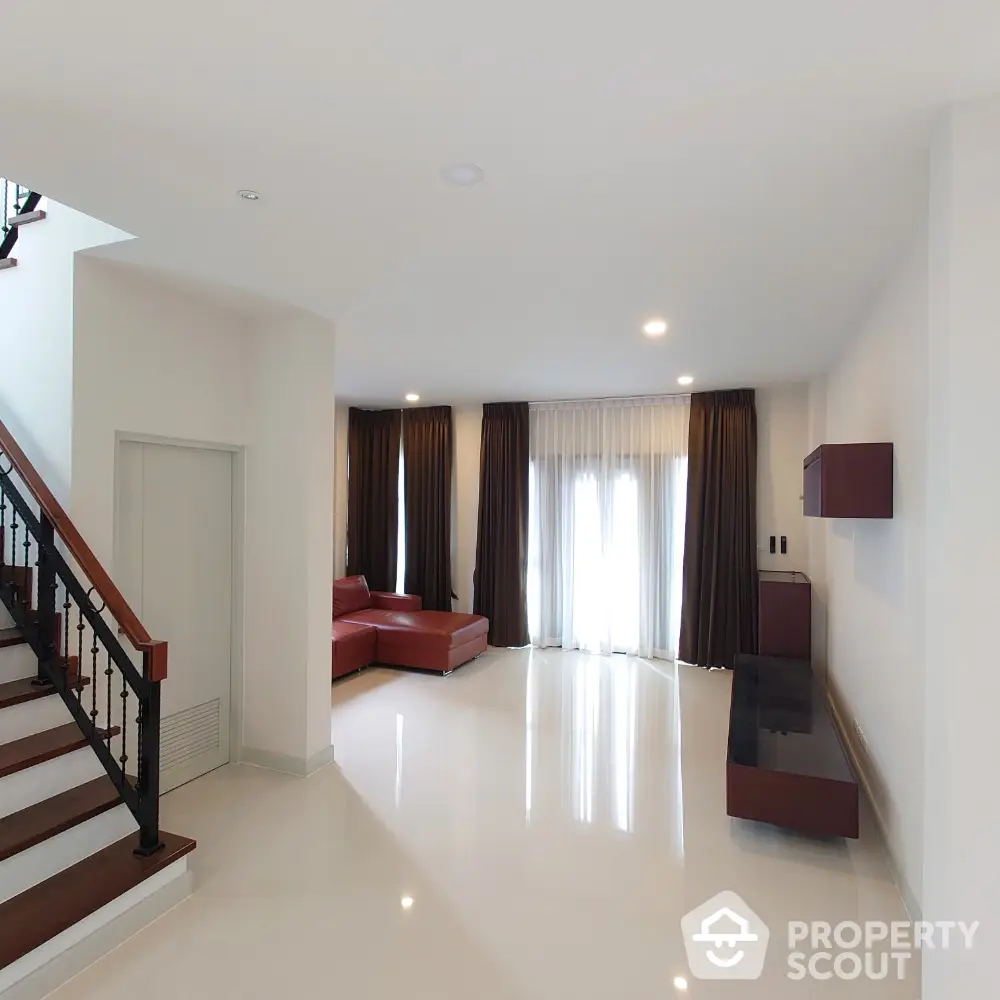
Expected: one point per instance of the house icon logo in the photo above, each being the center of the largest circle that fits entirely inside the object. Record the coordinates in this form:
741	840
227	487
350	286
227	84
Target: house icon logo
725	939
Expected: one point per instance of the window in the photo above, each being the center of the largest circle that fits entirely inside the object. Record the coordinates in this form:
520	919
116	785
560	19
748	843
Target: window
401	530
607	490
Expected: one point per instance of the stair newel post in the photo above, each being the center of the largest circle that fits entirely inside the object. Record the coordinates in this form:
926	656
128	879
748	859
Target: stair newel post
46	599
148	782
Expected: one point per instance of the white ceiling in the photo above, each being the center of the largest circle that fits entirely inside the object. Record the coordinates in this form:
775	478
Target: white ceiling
749	170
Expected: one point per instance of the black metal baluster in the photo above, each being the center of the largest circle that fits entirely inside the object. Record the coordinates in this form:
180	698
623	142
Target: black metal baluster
107	674
93	684
26	545
3	537
138	742
40	623
65	642
124	756
48	661
13	551
79	659
79	664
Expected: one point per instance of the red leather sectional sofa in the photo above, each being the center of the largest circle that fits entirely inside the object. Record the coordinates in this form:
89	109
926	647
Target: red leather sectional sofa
391	629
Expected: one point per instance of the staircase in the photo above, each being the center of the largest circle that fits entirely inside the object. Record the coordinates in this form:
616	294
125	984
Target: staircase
82	857
20	206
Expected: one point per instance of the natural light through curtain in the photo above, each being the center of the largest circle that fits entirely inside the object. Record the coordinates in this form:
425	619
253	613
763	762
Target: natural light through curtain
607	489
401	528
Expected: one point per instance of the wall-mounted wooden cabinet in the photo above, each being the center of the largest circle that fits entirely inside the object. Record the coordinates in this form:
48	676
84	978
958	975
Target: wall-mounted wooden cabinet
848	480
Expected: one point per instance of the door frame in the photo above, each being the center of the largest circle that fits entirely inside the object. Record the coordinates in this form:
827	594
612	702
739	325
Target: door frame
236	651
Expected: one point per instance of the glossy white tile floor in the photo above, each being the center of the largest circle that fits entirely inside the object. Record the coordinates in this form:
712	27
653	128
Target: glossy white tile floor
551	816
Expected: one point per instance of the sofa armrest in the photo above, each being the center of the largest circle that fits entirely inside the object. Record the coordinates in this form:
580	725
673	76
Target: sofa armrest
396	602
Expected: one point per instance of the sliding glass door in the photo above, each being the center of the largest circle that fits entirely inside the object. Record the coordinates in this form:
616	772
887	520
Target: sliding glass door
606	515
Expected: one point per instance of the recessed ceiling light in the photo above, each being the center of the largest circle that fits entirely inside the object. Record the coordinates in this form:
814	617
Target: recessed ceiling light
680	983
247	195
655	327
406	902
462	174
685	380
412	397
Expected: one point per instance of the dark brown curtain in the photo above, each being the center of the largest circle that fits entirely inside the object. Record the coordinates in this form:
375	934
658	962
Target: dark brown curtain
373	495
719	611
502	540
427	458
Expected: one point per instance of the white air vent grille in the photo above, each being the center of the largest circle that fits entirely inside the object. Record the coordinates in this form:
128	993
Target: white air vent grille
189	733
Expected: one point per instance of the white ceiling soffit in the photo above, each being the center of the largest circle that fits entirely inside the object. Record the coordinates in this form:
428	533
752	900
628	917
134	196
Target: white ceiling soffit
748	171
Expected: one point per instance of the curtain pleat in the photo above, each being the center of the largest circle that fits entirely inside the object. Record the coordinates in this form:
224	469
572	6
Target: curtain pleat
502	539
719	616
607	493
372	495
427	463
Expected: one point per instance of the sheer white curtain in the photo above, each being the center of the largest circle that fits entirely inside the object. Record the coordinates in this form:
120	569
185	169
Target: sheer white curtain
608	486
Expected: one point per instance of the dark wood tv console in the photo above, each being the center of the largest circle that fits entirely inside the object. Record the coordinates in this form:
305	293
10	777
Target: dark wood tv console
786	764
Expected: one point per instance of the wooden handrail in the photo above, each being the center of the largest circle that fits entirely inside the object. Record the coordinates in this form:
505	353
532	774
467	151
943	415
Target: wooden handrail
128	621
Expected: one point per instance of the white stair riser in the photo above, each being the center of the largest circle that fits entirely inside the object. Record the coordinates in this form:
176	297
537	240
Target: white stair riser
46	859
53	963
17	662
30	717
34	784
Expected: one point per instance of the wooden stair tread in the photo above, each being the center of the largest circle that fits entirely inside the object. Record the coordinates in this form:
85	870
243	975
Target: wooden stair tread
25	689
25	217
11	636
40	747
45	819
47	909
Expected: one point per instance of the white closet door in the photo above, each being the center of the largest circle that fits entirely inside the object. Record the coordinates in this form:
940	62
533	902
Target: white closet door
175	562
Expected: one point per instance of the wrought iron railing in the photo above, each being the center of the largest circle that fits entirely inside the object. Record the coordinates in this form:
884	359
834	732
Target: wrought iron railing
17	200
72	615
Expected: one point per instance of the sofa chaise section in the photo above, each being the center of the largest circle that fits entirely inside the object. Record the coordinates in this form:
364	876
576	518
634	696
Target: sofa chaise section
392	629
425	640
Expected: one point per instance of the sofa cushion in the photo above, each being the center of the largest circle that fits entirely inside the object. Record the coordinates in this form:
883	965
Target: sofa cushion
350	593
353	647
430	640
350	630
456	628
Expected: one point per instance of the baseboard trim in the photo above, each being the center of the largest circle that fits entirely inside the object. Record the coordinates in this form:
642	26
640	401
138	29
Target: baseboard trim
859	763
300	766
35	976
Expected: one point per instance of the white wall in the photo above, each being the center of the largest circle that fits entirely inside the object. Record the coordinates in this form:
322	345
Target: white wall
289	562
870	573
961	812
782	444
36	338
340	492
148	360
155	360
465	522
816	534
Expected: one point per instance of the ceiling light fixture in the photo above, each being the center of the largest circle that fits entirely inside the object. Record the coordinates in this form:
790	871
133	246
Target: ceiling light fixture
406	902
412	397
462	174
655	327
685	380
247	195
680	983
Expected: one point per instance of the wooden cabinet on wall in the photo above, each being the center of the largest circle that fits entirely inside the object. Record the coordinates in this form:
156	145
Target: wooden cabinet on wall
785	615
848	480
